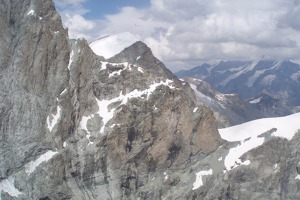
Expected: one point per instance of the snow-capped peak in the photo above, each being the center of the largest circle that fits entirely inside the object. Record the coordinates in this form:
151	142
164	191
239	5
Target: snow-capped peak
113	44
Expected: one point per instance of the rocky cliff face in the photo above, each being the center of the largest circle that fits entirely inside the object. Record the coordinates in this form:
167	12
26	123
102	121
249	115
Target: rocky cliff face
76	126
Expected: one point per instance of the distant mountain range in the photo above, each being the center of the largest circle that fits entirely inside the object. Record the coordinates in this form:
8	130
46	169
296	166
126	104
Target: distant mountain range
280	79
230	109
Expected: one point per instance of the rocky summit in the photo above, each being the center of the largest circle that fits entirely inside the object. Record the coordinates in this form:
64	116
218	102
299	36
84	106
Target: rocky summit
74	125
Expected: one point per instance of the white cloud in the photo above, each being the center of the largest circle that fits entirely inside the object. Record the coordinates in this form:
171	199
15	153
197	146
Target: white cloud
78	26
64	3
187	33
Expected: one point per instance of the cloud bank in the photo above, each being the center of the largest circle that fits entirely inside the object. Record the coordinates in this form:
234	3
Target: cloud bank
187	33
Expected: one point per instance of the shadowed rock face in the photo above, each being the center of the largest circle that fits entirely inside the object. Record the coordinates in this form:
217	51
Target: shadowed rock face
74	126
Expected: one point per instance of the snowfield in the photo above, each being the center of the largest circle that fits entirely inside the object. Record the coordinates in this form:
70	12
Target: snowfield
250	135
111	45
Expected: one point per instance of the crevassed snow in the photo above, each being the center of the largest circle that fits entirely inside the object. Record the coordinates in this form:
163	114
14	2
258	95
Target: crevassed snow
107	114
248	135
31	166
8	186
255	100
198	183
71	59
31	12
113	44
51	122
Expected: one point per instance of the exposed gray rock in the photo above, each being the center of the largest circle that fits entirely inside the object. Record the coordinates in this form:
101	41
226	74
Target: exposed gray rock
74	126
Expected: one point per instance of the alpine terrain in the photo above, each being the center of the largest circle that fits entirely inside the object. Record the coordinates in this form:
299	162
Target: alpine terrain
280	79
230	109
76	125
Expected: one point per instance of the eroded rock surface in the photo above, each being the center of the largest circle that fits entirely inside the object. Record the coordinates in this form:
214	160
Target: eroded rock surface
76	126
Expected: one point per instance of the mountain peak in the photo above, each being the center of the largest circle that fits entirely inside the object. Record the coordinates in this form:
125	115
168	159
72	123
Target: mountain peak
110	45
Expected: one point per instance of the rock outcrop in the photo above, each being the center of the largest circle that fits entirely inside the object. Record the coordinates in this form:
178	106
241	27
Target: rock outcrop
76	126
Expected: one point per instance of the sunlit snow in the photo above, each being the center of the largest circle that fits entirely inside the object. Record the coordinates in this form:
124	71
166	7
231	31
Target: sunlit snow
71	59
140	70
255	100
31	166
107	113
52	121
83	125
111	45
7	185
198	183
248	134
31	12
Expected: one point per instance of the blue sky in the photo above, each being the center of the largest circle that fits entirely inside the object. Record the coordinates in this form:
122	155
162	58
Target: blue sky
99	8
187	33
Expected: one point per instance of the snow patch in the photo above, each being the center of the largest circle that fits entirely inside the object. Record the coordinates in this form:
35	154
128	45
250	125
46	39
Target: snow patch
83	126
71	59
267	80
198	183
107	113
31	166
297	177
8	186
255	100
31	12
65	144
249	135
221	97
195	109
295	76
276	168
53	119
220	159
140	70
